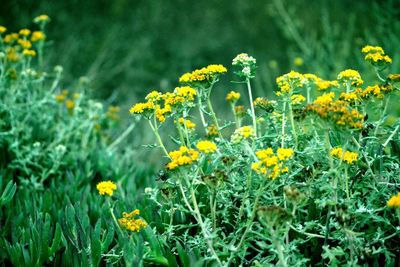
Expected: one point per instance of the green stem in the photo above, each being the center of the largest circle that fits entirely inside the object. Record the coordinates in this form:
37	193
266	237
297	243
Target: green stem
201	223
160	142
203	121
391	136
382	117
178	126
283	125
213	115
113	217
346	175
363	153
292	123
253	114
237	123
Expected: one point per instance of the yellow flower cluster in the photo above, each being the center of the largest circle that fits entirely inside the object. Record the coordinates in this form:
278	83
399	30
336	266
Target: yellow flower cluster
297	99
205	74
63	98
394	201
376	55
338	111
241	133
232	96
129	222
212	131
187	123
207	147
2	29
182	157
378	91
349	97
41	19
351	76
180	96
271	164
265	104
243	59
348	156
289	81
106	188
394	77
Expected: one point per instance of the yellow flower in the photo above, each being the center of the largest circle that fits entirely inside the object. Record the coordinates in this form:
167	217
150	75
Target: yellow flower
41	18
24	43
348	156
289	81
206	147
24	32
324	99
297	99
129	222
206	74
12	54
350	97
70	104
183	157
140	108
351	76
372	49
29	53
106	188
187	123
271	164
394	201
2	29
212	131
324	85
154	96
232	96
284	153
10	37
37	36
60	98
241	133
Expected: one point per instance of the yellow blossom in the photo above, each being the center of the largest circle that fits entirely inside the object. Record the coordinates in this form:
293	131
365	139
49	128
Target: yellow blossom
2	29
351	76
129	222
298	61
41	18
348	156
205	74
232	96
297	99
284	153
140	108
106	188
394	201
29	53
24	32
37	36
70	104
183	157
206	147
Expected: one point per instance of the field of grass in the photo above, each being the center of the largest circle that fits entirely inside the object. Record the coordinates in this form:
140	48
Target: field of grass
215	133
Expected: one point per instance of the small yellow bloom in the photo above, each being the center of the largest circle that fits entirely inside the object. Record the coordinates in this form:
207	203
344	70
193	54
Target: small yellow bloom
41	18
284	153
106	188
24	32
60	98
37	36
183	157
29	53
348	156
129	222
70	104
207	147
232	96
2	29
351	76
297	99
394	201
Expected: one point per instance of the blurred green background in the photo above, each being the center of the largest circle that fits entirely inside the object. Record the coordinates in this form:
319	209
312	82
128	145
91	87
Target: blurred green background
127	47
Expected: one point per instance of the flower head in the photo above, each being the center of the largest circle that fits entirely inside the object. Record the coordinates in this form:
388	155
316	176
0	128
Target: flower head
129	222
232	96
183	157
351	76
106	188
206	74
207	147
394	201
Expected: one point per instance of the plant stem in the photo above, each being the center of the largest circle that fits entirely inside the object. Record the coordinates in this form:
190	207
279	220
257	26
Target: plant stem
253	114
201	223
283	125
363	153
113	217
203	121
160	142
213	116
346	175
292	122
391	136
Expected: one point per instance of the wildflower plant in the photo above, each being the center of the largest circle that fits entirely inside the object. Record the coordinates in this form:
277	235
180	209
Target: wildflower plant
295	181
